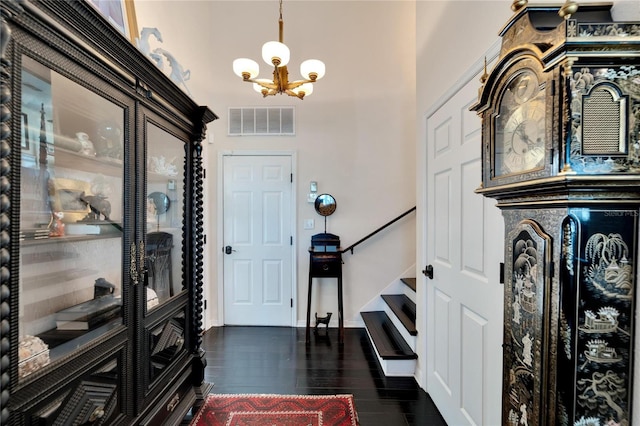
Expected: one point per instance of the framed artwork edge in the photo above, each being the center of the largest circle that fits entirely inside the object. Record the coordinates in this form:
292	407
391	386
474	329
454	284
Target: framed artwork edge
125	10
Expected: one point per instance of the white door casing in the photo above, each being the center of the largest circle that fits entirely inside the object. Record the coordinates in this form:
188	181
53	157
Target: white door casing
258	229
464	244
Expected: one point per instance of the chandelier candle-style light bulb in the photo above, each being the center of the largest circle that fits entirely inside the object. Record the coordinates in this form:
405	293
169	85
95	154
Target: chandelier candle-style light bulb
305	90
246	68
277	54
312	69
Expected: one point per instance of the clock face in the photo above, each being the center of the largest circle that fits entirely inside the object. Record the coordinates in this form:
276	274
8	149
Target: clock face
520	126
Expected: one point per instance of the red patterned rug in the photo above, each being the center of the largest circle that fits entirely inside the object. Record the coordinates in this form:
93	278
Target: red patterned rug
277	410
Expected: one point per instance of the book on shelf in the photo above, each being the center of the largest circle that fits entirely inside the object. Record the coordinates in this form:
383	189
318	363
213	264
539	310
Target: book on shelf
88	323
34	233
93	312
79	228
72	325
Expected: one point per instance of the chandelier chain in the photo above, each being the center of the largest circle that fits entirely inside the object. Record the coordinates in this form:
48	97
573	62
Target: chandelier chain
281	26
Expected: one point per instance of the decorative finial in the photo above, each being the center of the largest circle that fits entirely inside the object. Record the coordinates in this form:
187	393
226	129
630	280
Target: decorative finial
484	76
518	4
569	8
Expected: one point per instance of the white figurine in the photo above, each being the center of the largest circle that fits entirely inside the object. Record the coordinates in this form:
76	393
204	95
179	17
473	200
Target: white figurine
178	75
143	41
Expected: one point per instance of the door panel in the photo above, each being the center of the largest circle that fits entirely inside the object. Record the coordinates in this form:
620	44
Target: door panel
464	245
257	231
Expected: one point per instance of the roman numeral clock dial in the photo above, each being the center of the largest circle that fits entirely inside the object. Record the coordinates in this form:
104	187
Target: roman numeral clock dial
520	126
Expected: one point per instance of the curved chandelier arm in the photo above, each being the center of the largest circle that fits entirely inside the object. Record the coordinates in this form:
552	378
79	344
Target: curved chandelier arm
291	88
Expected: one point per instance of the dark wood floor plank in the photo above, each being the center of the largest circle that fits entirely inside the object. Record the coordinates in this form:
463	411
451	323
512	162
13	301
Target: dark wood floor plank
276	360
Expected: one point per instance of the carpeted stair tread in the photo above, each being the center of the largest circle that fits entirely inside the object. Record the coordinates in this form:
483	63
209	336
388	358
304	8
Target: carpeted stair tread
386	338
403	308
410	282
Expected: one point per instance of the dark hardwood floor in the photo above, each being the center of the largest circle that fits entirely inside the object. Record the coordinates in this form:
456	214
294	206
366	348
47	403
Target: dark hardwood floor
275	360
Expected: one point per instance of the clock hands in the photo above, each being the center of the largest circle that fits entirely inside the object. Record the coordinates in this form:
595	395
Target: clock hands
527	141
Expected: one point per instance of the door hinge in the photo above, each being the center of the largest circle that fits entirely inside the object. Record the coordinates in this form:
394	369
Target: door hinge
291	240
204	304
501	273
291	177
292	302
204	173
204	238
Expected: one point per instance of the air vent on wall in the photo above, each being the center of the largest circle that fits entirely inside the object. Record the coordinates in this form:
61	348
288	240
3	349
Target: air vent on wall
269	121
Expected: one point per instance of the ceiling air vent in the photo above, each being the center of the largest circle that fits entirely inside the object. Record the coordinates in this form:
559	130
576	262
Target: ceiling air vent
270	121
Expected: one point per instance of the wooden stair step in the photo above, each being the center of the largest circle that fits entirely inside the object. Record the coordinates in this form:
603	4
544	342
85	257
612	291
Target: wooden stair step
410	282
386	338
403	308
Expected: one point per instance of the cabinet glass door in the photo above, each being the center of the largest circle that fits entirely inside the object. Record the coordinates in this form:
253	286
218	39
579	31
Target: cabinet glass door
71	216
165	205
164	248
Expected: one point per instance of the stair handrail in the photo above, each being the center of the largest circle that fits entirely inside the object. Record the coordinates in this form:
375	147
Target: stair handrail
391	222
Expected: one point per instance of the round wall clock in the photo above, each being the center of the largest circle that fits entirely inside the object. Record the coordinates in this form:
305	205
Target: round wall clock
520	126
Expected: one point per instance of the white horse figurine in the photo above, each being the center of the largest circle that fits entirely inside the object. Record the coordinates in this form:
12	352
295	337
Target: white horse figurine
143	41
178	74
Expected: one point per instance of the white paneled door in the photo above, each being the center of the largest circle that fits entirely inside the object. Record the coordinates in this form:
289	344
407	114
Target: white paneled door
258	249
464	247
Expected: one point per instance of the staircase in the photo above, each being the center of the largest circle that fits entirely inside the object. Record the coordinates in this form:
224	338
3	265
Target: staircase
392	331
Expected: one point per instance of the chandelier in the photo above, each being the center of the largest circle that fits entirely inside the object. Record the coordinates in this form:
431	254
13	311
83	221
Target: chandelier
276	54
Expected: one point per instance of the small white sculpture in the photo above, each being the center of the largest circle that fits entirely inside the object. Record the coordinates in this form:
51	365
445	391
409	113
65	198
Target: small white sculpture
161	166
158	60
178	74
143	41
87	145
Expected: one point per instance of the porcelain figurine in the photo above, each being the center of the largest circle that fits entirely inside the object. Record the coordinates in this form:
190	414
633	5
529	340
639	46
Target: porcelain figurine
87	145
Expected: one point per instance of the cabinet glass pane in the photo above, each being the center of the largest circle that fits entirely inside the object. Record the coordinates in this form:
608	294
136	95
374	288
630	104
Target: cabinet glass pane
71	205
165	191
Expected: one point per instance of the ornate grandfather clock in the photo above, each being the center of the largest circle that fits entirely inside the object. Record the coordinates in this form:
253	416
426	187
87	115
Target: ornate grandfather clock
561	155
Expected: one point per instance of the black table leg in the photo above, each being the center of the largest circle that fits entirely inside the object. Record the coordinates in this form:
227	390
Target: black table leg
308	331
340	316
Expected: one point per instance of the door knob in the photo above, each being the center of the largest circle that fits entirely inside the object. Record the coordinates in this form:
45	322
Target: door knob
228	250
428	271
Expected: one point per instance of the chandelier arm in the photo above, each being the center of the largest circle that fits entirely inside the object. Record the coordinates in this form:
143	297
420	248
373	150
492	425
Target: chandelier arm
294	94
265	84
297	83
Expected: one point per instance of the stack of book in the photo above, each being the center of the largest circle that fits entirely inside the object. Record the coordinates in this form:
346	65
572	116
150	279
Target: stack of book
89	314
34	233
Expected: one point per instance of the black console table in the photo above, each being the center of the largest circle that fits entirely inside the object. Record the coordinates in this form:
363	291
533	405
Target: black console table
325	262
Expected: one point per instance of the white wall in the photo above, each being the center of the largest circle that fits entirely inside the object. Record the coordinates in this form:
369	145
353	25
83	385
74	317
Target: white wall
355	134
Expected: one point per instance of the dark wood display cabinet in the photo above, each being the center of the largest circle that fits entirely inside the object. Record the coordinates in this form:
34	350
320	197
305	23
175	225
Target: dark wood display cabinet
101	225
